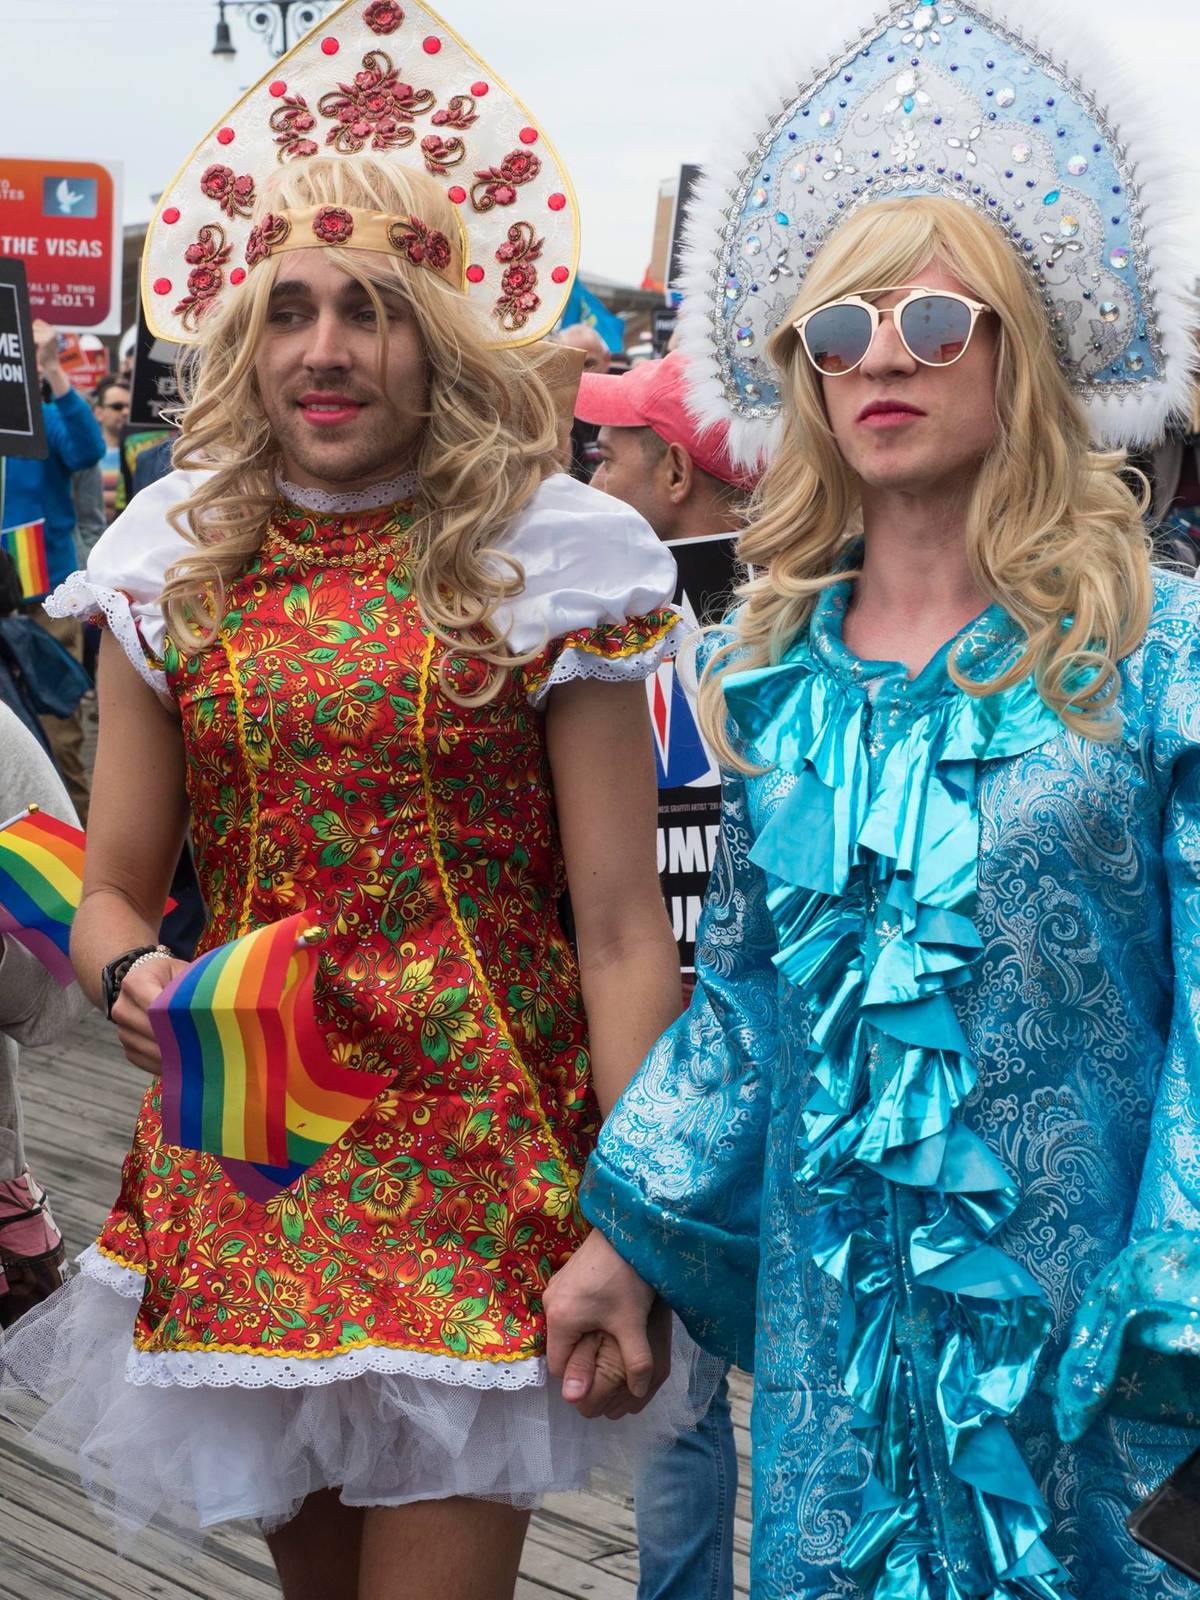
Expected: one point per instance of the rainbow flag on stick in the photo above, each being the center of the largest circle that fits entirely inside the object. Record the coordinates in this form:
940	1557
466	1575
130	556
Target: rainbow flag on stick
41	880
26	544
41	885
246	1075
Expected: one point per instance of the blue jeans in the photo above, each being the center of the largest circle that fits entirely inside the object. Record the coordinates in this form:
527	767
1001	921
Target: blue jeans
685	1504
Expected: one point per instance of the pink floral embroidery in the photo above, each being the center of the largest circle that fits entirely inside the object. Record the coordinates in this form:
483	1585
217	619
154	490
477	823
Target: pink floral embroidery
375	109
234	195
383	16
441	154
518	297
206	257
458	112
271	231
497	186
333	225
422	245
290	121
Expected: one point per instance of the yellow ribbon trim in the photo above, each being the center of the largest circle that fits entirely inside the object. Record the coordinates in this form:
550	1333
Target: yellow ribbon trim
194	1347
240	720
569	1176
582	641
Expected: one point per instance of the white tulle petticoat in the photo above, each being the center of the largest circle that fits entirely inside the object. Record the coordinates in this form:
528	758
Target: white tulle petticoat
191	1441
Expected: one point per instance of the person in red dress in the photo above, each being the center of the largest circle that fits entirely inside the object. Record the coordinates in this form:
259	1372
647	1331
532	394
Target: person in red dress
387	665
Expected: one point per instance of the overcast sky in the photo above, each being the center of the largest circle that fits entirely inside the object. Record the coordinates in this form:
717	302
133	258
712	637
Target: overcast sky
627	89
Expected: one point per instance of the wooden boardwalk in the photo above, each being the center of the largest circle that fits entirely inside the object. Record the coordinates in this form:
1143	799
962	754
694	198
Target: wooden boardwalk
80	1098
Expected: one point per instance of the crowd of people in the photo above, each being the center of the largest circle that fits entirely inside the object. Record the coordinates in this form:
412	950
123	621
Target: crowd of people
401	632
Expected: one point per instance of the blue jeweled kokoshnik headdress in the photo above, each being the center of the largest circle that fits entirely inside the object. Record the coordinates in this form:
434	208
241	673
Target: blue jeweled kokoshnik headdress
947	100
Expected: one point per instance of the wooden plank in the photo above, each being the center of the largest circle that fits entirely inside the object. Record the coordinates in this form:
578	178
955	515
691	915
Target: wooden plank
624	1564
564	1573
72	1567
581	1536
226	1558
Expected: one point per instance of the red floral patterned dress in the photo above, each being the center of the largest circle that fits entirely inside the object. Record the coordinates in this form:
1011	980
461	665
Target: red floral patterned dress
330	771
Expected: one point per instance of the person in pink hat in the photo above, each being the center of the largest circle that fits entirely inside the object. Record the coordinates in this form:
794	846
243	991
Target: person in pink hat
656	457
659	460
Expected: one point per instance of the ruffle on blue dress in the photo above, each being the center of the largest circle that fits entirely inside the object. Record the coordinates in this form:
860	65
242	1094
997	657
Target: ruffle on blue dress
872	889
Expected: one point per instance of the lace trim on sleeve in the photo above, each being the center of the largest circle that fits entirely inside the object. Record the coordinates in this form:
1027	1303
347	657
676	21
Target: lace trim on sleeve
78	597
627	652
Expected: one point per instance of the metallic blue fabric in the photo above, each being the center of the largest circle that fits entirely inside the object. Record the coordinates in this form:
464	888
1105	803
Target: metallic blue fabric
922	1237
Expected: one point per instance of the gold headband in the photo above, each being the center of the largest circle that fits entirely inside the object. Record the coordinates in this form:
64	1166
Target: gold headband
351	229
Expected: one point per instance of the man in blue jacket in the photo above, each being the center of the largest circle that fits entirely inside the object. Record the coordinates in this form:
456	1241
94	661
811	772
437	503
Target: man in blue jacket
41	491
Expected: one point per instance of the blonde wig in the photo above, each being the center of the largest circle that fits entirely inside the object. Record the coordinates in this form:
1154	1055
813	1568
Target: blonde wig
488	440
1053	532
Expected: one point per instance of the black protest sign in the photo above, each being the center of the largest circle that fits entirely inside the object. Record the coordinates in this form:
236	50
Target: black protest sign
22	430
662	326
155	384
689	784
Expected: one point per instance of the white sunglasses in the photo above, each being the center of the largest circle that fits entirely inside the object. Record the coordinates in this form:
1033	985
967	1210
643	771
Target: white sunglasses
935	327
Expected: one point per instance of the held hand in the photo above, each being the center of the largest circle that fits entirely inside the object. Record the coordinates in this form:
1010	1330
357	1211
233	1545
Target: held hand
599	1332
131	1012
609	1395
45	339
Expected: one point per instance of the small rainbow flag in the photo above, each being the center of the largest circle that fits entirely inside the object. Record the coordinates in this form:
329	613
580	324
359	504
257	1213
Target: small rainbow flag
41	880
41	885
26	544
246	1075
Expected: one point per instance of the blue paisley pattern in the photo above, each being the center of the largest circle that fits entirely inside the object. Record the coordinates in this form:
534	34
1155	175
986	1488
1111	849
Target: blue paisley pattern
1071	1018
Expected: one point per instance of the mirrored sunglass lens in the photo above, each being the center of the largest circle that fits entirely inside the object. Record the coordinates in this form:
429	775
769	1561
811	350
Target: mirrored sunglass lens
936	328
837	337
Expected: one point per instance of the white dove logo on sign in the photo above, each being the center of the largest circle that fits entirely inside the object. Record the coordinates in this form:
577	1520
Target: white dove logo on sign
67	198
69	195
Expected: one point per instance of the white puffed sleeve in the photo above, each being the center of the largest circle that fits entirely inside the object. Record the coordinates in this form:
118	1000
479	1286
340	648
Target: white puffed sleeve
125	573
598	587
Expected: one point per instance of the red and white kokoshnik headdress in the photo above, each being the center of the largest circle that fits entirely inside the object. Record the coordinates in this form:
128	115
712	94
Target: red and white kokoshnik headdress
389	80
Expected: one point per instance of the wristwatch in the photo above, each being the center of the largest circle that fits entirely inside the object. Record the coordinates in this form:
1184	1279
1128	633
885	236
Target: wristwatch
115	973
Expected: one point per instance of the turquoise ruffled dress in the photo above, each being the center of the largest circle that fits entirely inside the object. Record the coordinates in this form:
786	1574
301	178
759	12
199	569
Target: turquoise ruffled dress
925	1150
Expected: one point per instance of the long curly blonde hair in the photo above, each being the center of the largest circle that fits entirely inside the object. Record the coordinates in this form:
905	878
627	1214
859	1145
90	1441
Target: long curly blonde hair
1053	532
488	440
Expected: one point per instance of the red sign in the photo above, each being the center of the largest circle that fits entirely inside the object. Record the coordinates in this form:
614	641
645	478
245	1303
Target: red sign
84	360
62	218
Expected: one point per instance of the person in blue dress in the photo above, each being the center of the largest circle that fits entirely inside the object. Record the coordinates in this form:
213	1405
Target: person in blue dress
925	1149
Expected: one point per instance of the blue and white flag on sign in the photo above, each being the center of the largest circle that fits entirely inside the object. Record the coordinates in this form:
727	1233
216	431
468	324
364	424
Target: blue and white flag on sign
585	307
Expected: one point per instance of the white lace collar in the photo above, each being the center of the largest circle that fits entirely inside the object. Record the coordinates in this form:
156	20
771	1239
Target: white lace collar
387	492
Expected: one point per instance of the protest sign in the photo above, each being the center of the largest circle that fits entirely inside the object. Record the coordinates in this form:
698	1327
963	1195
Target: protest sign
689	783
155	383
63	219
22	431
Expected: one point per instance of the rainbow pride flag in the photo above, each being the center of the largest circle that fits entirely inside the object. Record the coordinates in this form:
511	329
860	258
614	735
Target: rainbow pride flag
246	1075
26	544
41	880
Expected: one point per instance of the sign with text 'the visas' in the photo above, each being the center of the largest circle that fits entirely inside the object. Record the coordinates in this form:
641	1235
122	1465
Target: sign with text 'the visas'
689	783
62	218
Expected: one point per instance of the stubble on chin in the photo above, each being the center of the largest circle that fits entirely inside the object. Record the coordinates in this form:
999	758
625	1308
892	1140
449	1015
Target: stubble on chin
362	455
